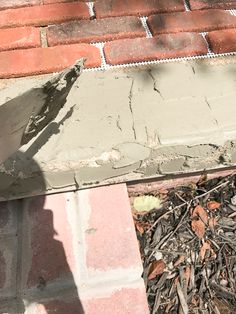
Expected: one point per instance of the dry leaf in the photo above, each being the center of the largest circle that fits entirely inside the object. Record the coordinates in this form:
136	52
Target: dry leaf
180	260
206	246
213	205
139	228
156	268
199	220
187	273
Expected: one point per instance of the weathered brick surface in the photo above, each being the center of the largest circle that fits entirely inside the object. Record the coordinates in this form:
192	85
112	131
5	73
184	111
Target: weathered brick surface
57	1
124	301
222	41
7	4
196	21
50	240
43	14
110	223
108	8
147	49
21	37
46	60
208	4
8	253
8	218
96	30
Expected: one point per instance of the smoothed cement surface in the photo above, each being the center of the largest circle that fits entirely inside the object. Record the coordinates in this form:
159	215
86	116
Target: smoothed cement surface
127	125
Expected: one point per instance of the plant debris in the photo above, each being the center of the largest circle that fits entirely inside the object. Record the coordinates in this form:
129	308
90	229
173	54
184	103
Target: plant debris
188	247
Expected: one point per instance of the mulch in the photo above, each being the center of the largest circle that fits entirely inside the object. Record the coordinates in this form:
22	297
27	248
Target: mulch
188	247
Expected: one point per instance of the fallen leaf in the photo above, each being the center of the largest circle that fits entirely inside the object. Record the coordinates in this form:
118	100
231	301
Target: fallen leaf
187	273
199	220
146	203
213	205
206	246
139	228
180	260
156	268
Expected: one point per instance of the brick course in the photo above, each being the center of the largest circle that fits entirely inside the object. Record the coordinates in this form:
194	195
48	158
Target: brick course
109	8
7	4
196	21
21	37
44	14
95	31
217	4
46	60
148	49
222	41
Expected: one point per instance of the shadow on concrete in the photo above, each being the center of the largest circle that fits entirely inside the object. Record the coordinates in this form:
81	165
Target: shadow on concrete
44	282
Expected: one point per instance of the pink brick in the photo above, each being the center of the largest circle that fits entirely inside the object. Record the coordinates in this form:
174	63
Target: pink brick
21	37
110	236
43	14
51	240
7	4
57	1
35	61
124	301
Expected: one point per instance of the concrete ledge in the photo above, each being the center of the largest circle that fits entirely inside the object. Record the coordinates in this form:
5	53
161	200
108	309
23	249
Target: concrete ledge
129	125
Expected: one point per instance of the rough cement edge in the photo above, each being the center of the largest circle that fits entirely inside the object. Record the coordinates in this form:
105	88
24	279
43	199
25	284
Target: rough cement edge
159	181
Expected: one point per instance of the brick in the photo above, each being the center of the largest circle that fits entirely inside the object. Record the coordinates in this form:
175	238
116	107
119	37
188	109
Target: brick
110	223
8	217
43	15
22	37
8	249
56	1
50	240
196	21
58	306
212	4
147	49
46	60
7	4
126	300
96	30
109	8
222	41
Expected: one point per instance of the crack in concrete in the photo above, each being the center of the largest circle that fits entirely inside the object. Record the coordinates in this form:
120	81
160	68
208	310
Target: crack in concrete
209	106
131	108
118	123
154	84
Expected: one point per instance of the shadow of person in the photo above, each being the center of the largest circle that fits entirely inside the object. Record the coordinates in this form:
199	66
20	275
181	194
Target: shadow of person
45	265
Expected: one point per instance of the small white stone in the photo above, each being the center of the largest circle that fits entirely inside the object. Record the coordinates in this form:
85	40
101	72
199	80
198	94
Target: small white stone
233	200
158	255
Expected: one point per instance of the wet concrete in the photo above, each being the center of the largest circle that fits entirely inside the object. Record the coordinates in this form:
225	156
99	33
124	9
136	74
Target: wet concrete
127	125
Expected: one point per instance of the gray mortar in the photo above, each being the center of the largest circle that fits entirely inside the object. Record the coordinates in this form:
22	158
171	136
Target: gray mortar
127	125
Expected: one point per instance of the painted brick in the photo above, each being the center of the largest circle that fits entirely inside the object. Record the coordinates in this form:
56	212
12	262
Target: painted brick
8	252
196	21
124	301
109	8
222	41
52	255
8	218
46	60
209	4
44	14
147	49
95	30
110	224
21	37
7	4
